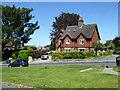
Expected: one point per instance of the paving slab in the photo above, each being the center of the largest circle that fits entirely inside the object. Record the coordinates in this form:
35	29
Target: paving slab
109	71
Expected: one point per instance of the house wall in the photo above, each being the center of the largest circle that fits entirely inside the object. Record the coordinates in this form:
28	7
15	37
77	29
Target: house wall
95	38
87	44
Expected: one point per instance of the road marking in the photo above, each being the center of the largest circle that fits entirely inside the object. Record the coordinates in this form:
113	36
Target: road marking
86	70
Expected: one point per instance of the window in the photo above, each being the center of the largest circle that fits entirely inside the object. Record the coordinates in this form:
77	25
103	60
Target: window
67	42
81	41
68	31
67	49
74	30
81	50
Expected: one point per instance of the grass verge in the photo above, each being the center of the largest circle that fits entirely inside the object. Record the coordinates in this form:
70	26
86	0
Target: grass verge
117	69
68	76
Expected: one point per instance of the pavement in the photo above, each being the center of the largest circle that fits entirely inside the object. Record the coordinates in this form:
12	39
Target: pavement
109	71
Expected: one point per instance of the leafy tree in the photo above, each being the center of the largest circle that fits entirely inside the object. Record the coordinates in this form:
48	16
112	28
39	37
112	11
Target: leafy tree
107	42
33	47
52	45
16	25
97	46
119	42
111	46
64	20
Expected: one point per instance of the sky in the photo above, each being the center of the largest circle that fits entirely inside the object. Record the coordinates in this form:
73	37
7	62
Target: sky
104	14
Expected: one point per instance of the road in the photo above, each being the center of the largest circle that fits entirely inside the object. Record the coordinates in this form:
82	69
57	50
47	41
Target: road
109	61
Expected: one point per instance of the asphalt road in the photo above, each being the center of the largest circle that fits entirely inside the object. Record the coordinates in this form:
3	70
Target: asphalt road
109	61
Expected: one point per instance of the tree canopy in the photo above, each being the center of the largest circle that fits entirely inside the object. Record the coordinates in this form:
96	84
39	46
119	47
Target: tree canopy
97	45
108	42
16	25
64	20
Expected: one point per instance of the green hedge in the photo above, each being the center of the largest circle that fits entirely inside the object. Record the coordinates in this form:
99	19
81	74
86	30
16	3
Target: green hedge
69	55
24	54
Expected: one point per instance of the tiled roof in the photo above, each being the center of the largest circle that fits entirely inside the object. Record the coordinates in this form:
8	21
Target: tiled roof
75	31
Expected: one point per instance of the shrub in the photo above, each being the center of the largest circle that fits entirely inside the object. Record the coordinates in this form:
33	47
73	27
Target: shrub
68	55
92	52
24	54
15	54
87	54
106	53
103	53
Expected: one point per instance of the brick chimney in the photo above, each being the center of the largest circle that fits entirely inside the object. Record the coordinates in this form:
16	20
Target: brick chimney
80	21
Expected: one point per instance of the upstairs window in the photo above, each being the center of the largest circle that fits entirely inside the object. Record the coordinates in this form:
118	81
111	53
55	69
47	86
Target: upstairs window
81	41
67	42
74	30
68	31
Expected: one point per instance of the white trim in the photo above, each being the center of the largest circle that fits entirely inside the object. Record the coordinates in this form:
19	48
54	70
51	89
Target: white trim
81	48
67	48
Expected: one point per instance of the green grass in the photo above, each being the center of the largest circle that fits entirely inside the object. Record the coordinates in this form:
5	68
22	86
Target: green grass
117	69
68	76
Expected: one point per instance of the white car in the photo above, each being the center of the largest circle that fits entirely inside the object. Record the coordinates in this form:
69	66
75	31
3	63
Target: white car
46	55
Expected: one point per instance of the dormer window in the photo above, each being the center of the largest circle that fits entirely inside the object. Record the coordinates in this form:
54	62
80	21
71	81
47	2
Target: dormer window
67	42
68	31
74	30
81	41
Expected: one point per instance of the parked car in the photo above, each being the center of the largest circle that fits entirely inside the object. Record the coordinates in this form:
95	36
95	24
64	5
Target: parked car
19	63
46	55
116	52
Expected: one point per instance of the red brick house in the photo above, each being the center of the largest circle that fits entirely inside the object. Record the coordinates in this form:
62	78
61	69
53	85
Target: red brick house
77	38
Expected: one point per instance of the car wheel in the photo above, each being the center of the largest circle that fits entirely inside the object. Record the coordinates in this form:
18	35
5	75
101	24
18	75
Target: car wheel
20	65
9	66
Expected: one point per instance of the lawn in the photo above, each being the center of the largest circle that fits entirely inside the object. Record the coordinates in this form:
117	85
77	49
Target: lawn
68	76
117	69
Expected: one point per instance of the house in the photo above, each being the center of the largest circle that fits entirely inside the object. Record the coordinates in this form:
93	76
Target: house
9	46
77	38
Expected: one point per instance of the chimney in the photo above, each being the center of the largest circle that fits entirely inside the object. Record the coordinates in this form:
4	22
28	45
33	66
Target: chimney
80	21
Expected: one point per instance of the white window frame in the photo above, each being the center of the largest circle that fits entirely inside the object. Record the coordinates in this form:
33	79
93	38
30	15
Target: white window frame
59	42
67	49
67	43
81	41
83	49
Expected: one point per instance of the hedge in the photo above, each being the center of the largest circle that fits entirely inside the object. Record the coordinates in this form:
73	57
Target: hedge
38	54
69	55
24	54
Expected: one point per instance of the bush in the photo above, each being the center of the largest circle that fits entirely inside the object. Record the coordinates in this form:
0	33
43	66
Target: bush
92	53
38	54
24	54
15	54
106	53
87	54
68	55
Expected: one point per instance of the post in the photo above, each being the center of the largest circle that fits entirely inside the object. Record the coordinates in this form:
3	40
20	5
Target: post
30	59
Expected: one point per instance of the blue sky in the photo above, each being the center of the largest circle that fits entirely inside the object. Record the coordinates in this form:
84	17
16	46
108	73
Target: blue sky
104	14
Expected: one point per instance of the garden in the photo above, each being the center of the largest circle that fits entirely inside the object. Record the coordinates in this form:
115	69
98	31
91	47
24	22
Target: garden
65	76
79	55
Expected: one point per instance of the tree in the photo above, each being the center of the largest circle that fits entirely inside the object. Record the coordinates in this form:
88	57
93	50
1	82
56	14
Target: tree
33	47
64	20
97	46
111	46
119	42
16	25
107	42
52	45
